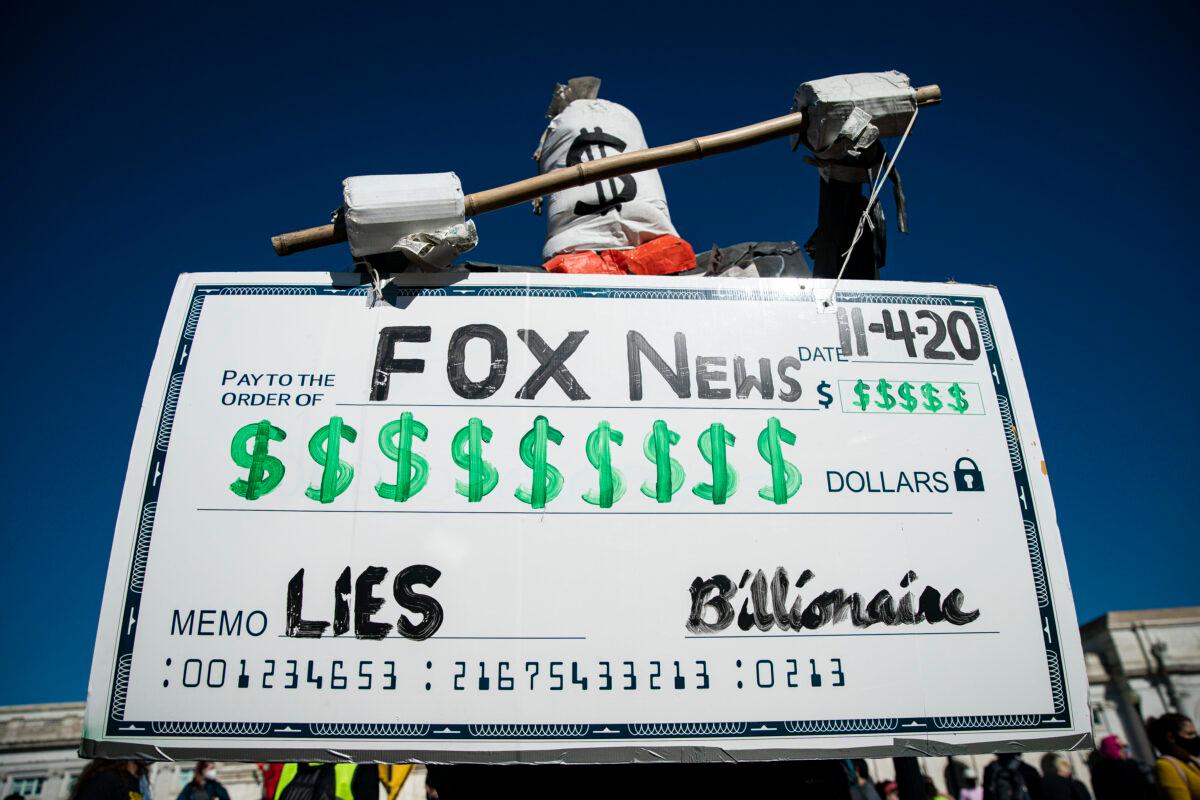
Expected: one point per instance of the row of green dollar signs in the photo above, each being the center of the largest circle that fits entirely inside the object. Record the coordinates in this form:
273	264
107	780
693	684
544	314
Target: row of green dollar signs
932	400
412	469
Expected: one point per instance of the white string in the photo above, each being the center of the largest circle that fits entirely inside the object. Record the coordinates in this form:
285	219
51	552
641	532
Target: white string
375	294
863	220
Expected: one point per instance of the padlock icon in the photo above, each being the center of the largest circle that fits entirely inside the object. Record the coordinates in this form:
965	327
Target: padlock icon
967	479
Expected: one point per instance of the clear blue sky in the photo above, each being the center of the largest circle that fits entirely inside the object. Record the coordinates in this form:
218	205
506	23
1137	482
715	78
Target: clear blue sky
138	144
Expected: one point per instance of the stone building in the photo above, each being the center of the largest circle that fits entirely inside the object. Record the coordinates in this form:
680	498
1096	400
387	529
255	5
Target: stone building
1139	664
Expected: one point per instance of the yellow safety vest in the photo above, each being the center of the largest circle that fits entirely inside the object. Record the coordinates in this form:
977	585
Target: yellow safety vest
393	777
343	775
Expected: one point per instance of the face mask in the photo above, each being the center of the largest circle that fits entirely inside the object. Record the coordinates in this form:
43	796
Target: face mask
210	774
1192	745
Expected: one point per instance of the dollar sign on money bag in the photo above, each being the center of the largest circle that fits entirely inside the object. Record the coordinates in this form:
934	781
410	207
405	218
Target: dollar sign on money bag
599	453
547	481
412	470
668	473
885	401
932	402
712	444
785	477
325	447
266	471
960	403
907	401
864	394
466	450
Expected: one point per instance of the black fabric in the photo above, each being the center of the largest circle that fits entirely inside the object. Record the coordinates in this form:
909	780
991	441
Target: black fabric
1120	780
1010	778
311	782
110	785
771	260
806	780
839	207
1056	787
210	790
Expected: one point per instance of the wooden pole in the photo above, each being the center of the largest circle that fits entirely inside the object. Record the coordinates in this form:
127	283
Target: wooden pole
592	171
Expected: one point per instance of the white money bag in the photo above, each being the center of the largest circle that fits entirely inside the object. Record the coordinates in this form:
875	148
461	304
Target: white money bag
613	214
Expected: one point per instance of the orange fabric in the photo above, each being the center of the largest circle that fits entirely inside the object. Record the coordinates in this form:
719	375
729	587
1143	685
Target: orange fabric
665	255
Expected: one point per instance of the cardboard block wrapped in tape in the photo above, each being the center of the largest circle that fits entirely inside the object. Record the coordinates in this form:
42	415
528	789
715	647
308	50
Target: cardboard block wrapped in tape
849	113
618	213
420	216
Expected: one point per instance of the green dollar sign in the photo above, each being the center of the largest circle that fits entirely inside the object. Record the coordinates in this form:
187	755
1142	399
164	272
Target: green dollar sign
932	401
907	401
785	477
412	470
864	394
960	403
669	473
599	453
885	401
325	447
713	443
466	449
547	480
265	471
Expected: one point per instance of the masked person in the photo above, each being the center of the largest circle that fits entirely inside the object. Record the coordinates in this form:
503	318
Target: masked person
1118	776
1178	767
204	784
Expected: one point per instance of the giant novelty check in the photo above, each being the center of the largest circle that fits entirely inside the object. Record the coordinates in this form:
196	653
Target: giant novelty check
529	517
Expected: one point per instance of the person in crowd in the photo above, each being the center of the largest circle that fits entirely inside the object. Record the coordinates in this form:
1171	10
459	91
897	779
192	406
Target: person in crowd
204	784
1057	781
15	796
1010	778
103	779
1116	775
270	779
890	790
931	790
971	790
1178	766
341	781
861	787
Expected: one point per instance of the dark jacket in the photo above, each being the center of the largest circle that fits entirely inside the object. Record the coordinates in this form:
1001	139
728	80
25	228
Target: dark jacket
210	790
110	785
1010	778
1120	780
1056	787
